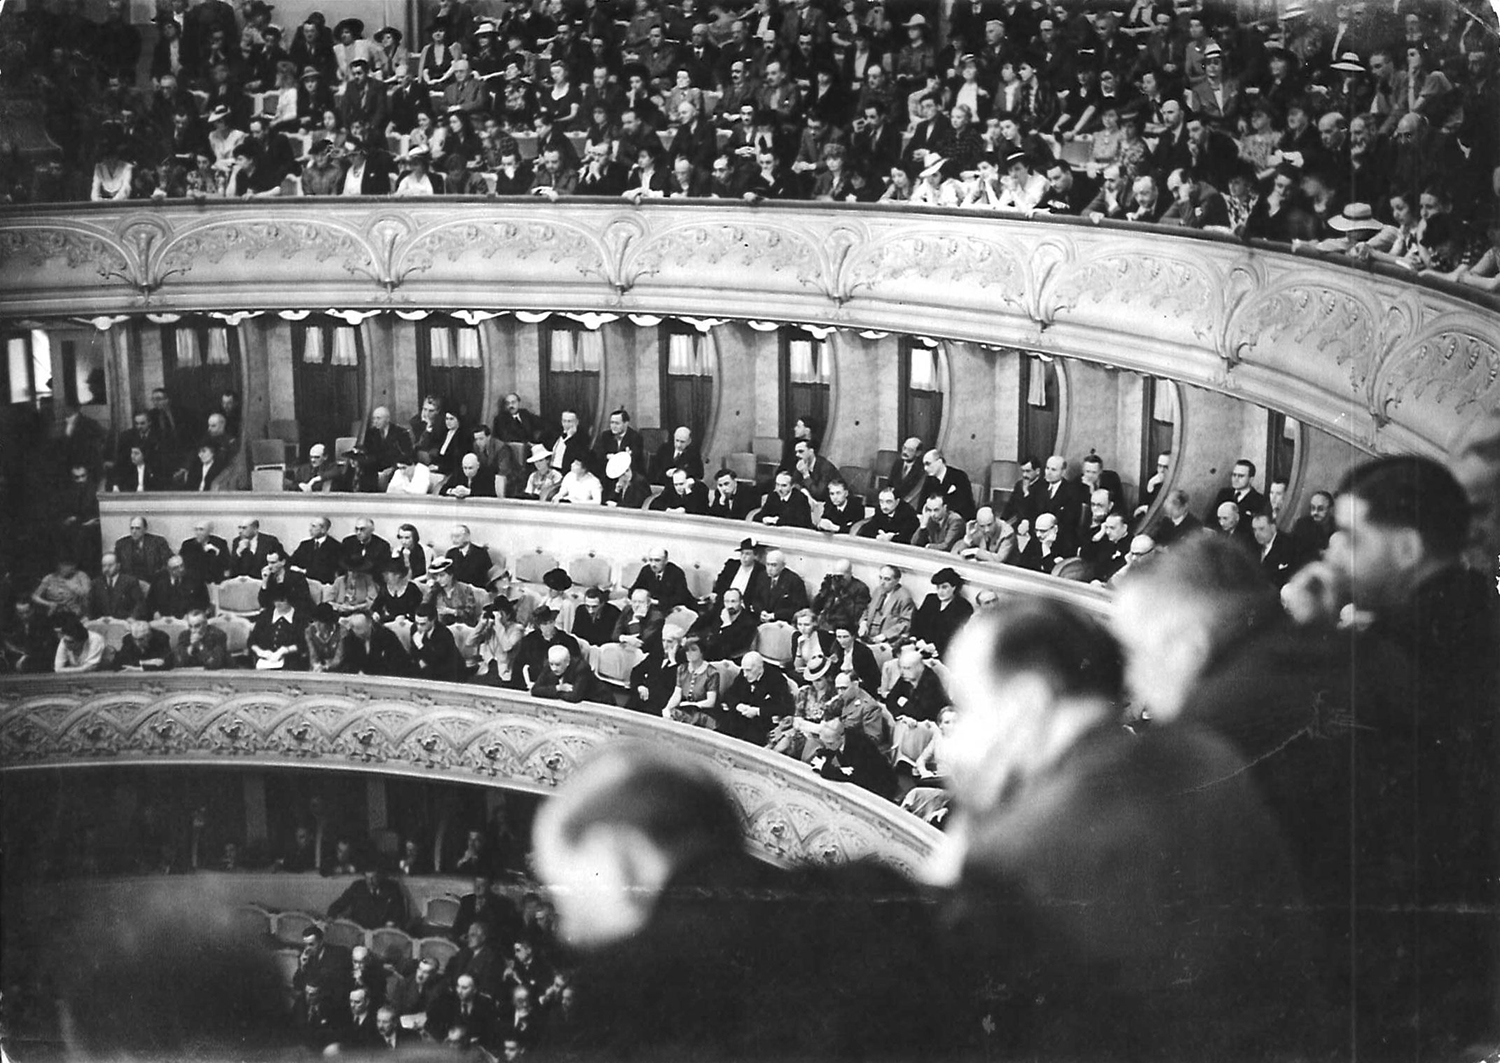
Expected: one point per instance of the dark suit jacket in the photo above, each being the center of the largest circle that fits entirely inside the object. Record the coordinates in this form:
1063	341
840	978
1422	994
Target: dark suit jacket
481	486
211	653
365	556
1278	561
755	587
770	694
647	628
146	559
931	623
607	444
738	506
169	599
383	452
785	595
923	700
318	561
272	634
157	645
596	631
446	1013
1164	532
207	565
331	969
1253	503
910	484
1021	505
251	561
792	512
902	524
666	459
727	641
524	427
694	503
438	657
119	600
1067	505
472	568
670	589
859	762
578	674
383	656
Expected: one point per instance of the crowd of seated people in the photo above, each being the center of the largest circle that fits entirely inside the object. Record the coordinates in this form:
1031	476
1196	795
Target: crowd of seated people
1348	127
865	658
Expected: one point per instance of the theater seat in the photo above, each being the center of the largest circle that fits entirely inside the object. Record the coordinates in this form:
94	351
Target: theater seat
683	617
441	911
463	637
391	944
240	595
530	568
287	962
742	464
439	949
253	921
700	581
1074	568
290	926
616	662
590	571
345	933
236	630
774	641
114	631
401	628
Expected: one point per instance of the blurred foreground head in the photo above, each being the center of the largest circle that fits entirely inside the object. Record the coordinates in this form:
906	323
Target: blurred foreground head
1026	684
618	830
1178	616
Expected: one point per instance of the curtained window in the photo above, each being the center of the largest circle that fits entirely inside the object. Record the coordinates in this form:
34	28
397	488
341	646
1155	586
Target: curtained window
920	399
327	379
687	389
806	379
572	362
450	366
200	361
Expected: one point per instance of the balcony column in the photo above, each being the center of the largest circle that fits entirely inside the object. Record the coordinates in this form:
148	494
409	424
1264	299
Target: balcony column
257	830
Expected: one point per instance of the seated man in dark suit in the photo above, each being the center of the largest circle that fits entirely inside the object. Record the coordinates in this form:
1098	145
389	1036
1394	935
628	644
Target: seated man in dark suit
144	648
664	580
114	594
785	506
1277	552
471	480
786	592
471	562
372	649
373	901
894	520
317	556
496	458
364	551
466	1007
681	453
906	475
728	632
851	756
729	500
684	495
595	622
434	652
1176	522
385	445
323	965
250	550
950	483
206	555
201	646
755	702
567	677
1246	498
1025	500
484	905
841	512
640	625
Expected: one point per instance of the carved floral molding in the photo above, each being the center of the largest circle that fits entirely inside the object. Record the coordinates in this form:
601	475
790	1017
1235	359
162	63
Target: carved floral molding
1372	358
435	730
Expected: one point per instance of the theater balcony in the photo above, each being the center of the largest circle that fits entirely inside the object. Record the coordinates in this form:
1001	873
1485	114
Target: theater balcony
1377	361
253	722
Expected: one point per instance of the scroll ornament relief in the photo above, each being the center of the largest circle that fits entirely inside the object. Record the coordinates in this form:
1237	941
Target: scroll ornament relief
788	814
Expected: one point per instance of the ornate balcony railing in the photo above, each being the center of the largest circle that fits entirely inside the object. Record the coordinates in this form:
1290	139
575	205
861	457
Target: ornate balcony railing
1375	358
456	733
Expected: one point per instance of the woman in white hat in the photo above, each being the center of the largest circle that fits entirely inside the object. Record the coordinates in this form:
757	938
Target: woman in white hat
223	138
1355	224
417	181
544	481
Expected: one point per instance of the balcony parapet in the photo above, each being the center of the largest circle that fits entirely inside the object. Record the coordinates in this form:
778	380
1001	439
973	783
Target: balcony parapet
452	732
1374	357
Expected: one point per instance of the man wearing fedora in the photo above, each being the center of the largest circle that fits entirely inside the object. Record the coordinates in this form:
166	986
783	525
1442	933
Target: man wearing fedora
313	98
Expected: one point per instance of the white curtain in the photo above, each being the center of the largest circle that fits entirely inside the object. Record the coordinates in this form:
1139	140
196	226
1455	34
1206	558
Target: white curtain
685	355
1036	394
218	346
440	341
1164	402
345	348
189	351
312	345
468	347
